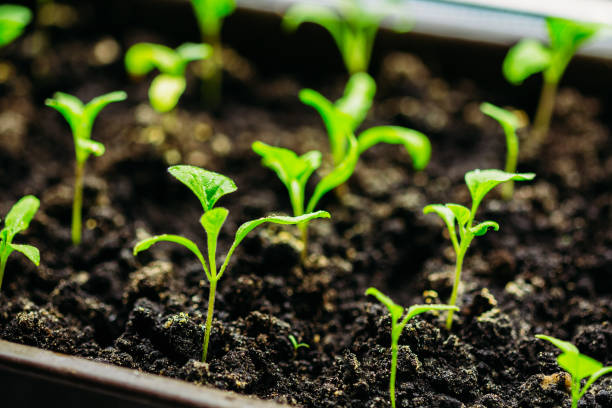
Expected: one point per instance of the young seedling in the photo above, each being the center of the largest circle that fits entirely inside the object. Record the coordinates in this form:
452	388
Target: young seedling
13	19
579	366
530	56
210	15
296	345
397	327
81	117
210	187
17	220
479	182
352	24
510	123
169	85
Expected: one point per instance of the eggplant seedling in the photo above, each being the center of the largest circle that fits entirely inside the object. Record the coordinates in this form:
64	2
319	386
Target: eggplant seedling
210	15
397	327
210	187
510	123
169	85
479	182
296	345
579	367
81	117
13	20
352	24
530	56
17	220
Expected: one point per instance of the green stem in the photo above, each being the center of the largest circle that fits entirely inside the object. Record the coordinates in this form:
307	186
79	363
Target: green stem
511	162
3	259
209	316
77	204
453	298
546	107
393	372
575	392
212	73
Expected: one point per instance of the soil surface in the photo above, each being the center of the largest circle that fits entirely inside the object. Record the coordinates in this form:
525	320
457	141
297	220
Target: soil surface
548	269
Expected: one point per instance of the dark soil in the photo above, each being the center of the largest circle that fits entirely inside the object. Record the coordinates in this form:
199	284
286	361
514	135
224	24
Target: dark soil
548	269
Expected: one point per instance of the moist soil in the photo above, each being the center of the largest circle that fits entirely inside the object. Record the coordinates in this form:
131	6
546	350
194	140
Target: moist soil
546	271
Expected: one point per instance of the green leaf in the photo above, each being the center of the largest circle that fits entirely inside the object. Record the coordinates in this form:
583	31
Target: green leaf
526	58
578	365
482	228
214	9
93	108
19	217
462	214
358	97
594	377
286	164
212	221
142	58
418	309
416	143
447	215
395	310
194	51
29	251
569	34
480	182
564	346
90	147
208	186
13	19
503	116
248	226
70	107
165	91
301	13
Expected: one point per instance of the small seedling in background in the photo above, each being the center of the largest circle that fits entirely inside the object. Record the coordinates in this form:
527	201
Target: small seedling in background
479	182
169	85
296	345
579	366
352	24
530	56
17	220
210	15
209	187
398	326
510	123
13	20
81	117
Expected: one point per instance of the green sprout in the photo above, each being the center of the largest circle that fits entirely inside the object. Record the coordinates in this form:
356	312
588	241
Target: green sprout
169	85
530	56
210	187
17	220
398	326
510	123
479	182
579	366
296	345
81	117
13	19
352	24
210	15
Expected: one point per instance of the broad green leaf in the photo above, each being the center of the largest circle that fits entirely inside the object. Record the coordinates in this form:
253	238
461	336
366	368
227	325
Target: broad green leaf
480	182
564	346
418	309
248	226
526	58
208	186
569	34
70	107
578	365
20	215
29	251
503	116
213	220
13	19
165	91
395	310
194	52
286	164
214	9
142	58
447	215
462	214
358	97
90	147
482	228
416	143
93	108
314	13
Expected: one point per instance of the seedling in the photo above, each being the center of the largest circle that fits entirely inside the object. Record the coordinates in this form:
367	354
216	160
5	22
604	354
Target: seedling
352	24
296	345
530	56
210	187
510	123
579	366
479	182
13	20
17	220
397	327
81	117
210	15
169	85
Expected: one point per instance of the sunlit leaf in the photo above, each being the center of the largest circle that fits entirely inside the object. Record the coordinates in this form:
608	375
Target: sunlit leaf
208	186
416	143
29	251
19	217
526	58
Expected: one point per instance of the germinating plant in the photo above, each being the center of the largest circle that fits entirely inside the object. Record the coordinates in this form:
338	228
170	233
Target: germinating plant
397	327
13	19
17	220
510	123
81	117
579	366
169	85
352	24
210	187
479	182
530	56
296	345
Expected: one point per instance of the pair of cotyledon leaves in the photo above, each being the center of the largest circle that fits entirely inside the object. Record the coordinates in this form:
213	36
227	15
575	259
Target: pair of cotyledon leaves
17	220
13	19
